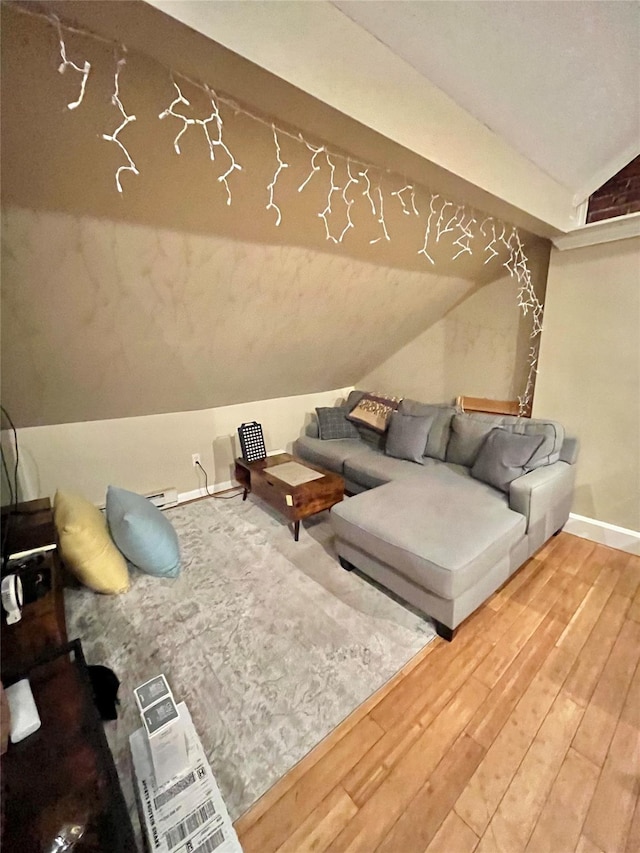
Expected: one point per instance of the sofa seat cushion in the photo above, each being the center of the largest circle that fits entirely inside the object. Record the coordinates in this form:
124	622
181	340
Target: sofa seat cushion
330	454
376	469
440	529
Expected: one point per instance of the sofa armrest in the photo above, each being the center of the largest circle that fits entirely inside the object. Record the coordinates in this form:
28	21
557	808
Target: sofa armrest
569	450
312	429
544	497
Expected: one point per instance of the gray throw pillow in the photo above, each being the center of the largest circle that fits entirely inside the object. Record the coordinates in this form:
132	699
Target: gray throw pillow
333	423
504	457
407	437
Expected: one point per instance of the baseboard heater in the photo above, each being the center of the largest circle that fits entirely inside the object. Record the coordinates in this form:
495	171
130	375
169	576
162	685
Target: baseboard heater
164	498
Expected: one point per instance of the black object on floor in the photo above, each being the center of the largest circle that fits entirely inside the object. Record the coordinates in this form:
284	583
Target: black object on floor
105	684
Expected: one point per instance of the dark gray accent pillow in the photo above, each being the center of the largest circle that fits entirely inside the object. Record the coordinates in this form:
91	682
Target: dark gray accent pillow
504	457
407	436
333	423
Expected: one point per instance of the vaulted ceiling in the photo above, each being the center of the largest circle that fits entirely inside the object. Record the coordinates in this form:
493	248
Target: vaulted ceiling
560	82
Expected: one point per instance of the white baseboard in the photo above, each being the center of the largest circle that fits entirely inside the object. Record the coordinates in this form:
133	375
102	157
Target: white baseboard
604	533
183	497
216	487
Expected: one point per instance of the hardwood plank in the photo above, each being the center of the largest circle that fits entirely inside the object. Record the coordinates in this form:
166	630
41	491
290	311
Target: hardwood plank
454	836
577	631
520	807
609	817
586	846
560	822
629	582
374	767
530	568
323	824
631	710
376	817
493	713
587	669
417	827
594	563
633	839
576	555
499	659
540	696
478	802
634	610
421	691
276	825
601	716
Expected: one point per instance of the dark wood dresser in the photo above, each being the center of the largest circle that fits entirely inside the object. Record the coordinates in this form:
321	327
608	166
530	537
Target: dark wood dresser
43	624
63	775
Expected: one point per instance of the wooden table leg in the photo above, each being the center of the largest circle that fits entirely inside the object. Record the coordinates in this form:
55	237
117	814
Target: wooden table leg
296	531
244	494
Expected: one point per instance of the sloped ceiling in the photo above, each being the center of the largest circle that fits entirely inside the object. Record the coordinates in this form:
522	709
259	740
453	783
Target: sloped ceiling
560	82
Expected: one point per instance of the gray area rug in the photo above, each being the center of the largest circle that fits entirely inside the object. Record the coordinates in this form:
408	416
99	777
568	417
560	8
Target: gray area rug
269	642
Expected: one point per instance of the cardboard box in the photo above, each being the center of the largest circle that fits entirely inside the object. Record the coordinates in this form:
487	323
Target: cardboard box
188	816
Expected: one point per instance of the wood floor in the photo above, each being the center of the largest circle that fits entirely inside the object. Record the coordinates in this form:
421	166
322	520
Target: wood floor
521	735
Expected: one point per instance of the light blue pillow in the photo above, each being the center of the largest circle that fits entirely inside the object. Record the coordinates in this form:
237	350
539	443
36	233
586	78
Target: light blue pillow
142	533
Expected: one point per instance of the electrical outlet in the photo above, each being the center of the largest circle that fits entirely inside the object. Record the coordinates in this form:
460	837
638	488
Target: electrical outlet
195	459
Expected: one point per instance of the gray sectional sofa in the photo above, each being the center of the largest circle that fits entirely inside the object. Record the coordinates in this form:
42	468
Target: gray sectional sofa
434	534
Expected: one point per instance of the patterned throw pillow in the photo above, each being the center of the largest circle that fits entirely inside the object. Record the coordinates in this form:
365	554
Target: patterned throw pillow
374	411
333	423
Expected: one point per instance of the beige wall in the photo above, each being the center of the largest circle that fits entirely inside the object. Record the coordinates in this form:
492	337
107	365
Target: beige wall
589	376
154	452
479	349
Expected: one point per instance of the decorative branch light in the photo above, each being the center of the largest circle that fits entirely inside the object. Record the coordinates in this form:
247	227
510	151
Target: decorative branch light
385	233
126	119
314	166
333	188
271	187
67	63
427	233
491	243
204	124
348	201
405	208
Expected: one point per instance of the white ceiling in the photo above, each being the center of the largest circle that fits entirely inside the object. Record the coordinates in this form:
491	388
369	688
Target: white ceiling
558	81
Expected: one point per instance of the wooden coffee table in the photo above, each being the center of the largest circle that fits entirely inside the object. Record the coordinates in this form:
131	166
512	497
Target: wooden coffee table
293	502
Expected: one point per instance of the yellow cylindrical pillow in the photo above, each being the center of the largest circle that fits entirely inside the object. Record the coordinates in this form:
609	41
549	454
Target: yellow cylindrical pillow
87	549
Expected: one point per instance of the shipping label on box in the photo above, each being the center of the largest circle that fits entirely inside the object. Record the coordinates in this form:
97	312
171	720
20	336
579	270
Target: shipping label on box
188	816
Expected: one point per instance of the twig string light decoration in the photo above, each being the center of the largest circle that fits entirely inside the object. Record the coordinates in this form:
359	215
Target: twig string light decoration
443	216
271	187
126	119
348	201
67	63
204	124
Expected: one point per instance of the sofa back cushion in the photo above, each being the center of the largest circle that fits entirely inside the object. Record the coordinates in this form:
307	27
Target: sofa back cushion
440	428
407	437
468	432
504	456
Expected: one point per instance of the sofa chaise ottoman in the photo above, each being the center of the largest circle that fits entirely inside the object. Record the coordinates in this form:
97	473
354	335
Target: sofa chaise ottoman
446	532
